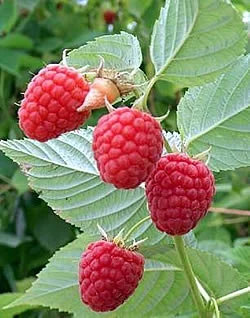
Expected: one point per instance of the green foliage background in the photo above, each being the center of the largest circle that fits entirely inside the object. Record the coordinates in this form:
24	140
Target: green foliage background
34	33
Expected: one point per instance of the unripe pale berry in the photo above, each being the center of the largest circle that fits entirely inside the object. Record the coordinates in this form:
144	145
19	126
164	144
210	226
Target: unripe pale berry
99	89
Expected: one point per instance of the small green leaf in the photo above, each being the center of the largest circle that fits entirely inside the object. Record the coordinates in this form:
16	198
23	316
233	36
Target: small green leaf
217	115
194	41
120	52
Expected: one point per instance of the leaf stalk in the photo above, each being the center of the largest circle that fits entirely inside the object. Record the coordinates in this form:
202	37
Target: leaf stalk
180	247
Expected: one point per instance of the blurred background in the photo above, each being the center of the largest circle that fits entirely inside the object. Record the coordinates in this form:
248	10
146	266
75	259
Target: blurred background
34	33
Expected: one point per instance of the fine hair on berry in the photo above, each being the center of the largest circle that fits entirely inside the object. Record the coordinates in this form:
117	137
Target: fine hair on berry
50	103
108	275
127	143
179	192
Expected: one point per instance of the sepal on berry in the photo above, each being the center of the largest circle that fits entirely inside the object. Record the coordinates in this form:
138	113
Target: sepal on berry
109	273
179	192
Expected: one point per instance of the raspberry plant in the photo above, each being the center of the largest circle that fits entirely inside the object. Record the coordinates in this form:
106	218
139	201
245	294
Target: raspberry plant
195	44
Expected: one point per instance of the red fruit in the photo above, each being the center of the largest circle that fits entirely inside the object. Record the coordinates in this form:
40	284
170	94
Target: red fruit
50	102
108	275
109	16
99	89
127	144
179	193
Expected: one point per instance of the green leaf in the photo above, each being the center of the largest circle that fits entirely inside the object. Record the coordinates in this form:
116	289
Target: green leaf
24	284
194	41
138	8
245	311
8	15
7	167
6	299
217	277
120	52
27	4
239	258
161	285
16	41
19	181
162	292
64	173
10	60
217	115
31	62
11	240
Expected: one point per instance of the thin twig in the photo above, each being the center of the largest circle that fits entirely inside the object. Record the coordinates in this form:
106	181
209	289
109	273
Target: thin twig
229	211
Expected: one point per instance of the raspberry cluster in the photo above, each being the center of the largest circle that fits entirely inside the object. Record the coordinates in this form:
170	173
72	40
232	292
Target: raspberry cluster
108	275
127	146
179	193
50	103
127	143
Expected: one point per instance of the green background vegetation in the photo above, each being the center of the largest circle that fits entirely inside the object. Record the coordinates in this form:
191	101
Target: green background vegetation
34	33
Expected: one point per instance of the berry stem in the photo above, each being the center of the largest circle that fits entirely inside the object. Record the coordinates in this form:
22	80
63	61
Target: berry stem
147	91
180	247
235	294
229	211
215	308
133	228
167	146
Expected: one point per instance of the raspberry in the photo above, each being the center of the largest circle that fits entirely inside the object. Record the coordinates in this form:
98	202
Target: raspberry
179	193
108	275
109	16
50	102
127	144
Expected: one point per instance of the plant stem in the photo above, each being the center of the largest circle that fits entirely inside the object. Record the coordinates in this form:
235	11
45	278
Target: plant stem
229	211
167	146
202	291
133	228
215	308
235	294
180	247
147	92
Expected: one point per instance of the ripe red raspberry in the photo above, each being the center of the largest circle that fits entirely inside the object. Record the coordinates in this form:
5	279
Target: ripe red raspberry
108	275
179	193
127	144
109	16
50	102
